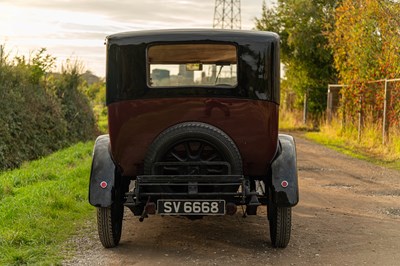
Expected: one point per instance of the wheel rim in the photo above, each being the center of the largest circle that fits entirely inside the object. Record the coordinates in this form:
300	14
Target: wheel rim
195	156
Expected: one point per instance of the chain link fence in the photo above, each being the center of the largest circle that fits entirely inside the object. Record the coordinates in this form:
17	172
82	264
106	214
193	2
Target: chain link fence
373	102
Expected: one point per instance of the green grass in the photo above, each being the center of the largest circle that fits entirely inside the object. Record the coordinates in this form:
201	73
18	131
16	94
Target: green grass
293	121
337	144
345	140
369	147
42	205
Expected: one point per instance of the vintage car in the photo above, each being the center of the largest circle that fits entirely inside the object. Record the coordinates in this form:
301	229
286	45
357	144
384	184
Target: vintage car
193	130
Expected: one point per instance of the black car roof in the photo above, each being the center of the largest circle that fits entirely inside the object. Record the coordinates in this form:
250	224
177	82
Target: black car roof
187	35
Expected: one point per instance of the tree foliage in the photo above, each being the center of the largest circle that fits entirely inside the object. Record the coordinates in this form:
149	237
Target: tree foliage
41	112
305	53
95	89
366	40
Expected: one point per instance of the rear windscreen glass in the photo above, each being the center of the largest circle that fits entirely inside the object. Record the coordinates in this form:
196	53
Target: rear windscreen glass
183	65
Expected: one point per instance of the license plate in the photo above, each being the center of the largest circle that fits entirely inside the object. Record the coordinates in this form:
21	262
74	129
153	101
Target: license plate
191	207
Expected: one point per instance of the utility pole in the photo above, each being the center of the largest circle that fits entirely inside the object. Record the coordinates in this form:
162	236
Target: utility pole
227	15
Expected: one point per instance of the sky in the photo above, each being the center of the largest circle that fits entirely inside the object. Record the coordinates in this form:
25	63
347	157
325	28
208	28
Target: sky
76	29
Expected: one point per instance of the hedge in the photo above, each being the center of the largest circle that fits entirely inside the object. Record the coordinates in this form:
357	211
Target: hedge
40	112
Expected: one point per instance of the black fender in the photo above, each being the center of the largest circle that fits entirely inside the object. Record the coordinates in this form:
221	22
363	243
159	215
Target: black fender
102	174
284	181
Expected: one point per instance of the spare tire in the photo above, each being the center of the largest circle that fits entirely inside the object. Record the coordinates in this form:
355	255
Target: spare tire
193	142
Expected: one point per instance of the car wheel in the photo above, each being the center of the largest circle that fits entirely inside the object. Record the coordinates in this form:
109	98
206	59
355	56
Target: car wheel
207	149
280	224
109	224
109	219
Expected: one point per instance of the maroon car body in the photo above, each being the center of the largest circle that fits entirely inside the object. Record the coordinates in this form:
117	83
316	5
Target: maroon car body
193	130
147	118
136	108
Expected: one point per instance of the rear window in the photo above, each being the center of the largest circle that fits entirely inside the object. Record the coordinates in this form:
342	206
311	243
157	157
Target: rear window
183	65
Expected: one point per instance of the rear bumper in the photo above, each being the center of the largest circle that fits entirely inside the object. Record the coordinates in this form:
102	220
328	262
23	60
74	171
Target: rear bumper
150	188
191	185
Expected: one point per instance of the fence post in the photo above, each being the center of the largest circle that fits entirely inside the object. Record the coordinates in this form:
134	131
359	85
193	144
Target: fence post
305	111
386	104
360	119
329	105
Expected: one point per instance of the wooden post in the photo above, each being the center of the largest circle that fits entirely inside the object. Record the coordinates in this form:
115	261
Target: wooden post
344	112
386	104
329	106
305	111
360	120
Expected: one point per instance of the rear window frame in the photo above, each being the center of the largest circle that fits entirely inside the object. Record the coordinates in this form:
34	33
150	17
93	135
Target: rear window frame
205	86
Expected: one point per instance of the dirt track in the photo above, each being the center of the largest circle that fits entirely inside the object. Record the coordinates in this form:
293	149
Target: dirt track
349	214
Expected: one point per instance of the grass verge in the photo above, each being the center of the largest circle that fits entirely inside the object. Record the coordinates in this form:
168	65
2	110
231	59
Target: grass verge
369	147
291	121
42	204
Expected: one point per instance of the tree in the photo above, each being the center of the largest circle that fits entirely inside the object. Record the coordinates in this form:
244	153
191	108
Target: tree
308	59
365	41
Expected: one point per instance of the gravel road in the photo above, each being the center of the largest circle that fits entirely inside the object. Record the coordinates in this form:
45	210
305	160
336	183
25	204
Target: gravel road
349	214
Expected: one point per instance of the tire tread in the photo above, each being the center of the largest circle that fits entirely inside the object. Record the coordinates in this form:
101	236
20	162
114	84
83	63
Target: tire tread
280	226
108	237
182	129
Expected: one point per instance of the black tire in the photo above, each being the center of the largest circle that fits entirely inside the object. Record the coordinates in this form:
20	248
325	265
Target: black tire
109	224
220	148
109	219
280	224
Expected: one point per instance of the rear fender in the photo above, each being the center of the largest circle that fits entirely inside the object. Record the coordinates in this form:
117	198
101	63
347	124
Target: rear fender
284	185
102	175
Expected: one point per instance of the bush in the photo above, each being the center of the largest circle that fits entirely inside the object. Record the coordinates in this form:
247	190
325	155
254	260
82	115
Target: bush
40	112
75	105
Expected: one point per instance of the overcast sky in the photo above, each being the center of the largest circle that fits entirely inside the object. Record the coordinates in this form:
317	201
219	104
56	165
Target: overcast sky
76	29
